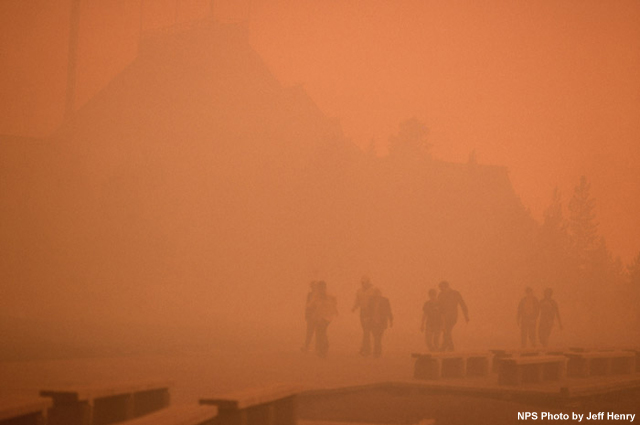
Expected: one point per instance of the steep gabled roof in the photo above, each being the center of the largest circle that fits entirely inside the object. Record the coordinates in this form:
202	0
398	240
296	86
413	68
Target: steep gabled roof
204	87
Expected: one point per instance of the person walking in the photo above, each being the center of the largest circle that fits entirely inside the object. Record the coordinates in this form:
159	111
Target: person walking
381	319
548	313
309	316
325	309
449	300
527	317
431	323
363	303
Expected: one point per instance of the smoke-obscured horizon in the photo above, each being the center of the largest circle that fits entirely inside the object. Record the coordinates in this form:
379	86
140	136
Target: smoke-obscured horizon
191	201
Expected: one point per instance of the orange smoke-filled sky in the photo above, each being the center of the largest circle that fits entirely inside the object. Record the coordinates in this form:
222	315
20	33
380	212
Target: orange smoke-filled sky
550	89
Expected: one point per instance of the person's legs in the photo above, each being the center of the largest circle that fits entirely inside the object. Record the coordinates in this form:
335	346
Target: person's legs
429	338
322	341
544	331
377	341
436	339
523	334
532	333
365	347
432	337
311	329
447	336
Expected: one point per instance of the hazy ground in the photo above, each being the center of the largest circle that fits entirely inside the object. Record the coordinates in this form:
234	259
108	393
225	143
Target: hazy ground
205	373
209	373
213	368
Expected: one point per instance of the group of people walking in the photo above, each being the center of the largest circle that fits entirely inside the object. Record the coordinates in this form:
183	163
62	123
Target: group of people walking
321	308
375	316
541	314
440	315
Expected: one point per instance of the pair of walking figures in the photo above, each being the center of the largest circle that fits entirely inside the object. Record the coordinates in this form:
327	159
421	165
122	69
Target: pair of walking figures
440	315
541	314
321	308
375	317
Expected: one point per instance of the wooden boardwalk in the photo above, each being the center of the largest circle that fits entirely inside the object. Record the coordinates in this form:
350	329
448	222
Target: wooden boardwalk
489	387
344	388
467	401
28	410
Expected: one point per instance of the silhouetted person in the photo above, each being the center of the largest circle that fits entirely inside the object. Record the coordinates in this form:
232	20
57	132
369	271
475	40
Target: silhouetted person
324	308
449	300
381	318
548	312
527	317
431	323
308	316
362	302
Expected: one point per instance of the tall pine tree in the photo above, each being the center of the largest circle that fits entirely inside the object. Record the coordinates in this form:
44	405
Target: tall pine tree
582	225
552	246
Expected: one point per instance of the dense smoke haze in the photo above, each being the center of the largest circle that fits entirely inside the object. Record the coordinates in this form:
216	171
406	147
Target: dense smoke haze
212	167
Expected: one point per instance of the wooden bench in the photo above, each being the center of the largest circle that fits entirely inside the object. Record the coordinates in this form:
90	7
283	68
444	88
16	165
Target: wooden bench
500	354
600	363
179	415
265	406
508	353
450	365
106	403
531	369
16	410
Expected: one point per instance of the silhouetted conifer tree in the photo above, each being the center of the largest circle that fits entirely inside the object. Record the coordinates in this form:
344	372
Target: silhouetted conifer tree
595	279
553	246
582	225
